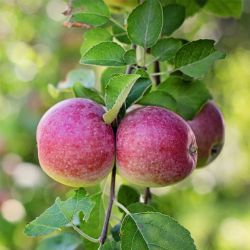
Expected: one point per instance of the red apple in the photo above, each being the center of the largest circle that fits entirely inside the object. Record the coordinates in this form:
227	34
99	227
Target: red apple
75	146
155	147
208	127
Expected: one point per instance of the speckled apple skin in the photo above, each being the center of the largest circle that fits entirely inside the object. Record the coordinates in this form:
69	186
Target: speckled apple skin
153	147
75	146
208	127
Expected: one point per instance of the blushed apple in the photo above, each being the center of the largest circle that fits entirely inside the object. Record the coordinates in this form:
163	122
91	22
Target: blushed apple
155	147
208	127
75	146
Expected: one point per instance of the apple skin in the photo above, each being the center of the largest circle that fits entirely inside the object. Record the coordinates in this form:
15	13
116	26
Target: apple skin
155	147
75	146
208	127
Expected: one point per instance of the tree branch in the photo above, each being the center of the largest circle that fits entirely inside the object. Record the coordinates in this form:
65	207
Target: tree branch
147	195
103	236
157	69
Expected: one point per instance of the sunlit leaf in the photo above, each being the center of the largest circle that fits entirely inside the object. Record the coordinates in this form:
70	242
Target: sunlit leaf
153	230
105	53
116	92
60	214
195	58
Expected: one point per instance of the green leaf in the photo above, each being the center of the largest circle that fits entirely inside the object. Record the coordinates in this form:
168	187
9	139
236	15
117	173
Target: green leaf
127	195
191	6
195	58
93	226
105	53
145	23
166	48
225	8
94	13
173	18
141	86
190	96
115	231
108	73
63	241
130	57
116	92
140	208
160	99
84	76
120	34
153	230
89	93
110	245
60	214
93	37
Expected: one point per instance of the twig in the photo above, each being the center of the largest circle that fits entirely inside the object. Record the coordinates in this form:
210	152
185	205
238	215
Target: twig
84	235
147	196
118	204
109	209
131	67
157	69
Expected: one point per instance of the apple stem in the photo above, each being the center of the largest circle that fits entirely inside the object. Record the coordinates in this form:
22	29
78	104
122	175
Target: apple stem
109	209
147	196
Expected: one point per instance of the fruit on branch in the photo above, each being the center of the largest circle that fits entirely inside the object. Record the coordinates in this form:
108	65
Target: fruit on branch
208	127
155	147
75	146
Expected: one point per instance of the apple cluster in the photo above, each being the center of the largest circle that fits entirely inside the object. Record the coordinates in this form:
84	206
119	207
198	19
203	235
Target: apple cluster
152	146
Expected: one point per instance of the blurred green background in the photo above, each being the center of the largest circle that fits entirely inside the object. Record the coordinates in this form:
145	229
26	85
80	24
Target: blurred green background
36	50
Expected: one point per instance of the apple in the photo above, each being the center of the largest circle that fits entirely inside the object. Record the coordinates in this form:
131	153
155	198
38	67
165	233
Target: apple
155	147
75	146
208	127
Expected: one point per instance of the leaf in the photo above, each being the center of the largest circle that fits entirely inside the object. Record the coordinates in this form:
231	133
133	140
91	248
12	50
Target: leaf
120	34
93	226
153	230
93	37
130	57
116	92
84	76
108	73
110	245
225	8
145	23
173	18
190	96
89	93
160	99
63	241
60	214
166	48
195	58
141	86
105	53
191	6
140	208
94	13
115	231
127	195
